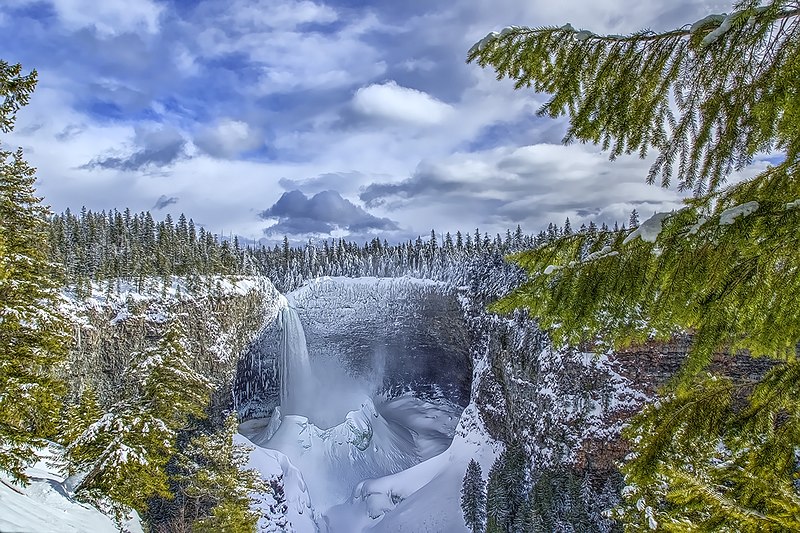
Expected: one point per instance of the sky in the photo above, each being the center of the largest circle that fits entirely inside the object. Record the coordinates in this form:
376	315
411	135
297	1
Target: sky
313	119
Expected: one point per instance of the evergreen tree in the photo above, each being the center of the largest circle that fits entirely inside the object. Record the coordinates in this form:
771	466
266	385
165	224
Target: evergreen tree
125	452
506	493
633	220
124	456
32	332
496	499
567	228
715	452
473	497
514	480
80	415
213	474
173	391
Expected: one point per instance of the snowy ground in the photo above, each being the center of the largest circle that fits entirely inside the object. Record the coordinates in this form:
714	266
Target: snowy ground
47	506
391	467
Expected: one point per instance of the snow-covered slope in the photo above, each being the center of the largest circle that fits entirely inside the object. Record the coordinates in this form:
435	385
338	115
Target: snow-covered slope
378	469
46	505
119	318
275	466
425	497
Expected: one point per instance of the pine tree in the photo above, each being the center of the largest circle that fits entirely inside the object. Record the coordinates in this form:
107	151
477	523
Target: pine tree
173	390
126	451
633	220
80	415
567	227
33	337
213	474
473	497
496	498
506	492
124	456
514	481
715	452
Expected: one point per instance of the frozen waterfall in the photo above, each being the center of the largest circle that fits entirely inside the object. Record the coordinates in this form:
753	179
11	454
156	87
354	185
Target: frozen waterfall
295	367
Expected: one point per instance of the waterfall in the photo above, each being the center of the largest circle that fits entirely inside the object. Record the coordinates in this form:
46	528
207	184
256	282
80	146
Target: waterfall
295	368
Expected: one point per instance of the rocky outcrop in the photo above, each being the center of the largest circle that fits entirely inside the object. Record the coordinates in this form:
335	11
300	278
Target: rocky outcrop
647	368
220	317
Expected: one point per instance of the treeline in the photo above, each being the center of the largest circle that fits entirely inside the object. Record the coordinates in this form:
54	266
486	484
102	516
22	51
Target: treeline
513	499
97	246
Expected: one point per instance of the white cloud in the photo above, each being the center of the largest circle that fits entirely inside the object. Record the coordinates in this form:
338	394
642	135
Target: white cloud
391	102
449	119
287	56
280	15
228	138
532	185
185	61
108	17
600	16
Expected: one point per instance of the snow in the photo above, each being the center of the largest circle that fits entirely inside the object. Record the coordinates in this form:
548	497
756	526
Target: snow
390	464
696	227
271	464
159	293
371	442
730	215
651	520
480	45
793	205
718	32
425	497
604	252
373	472
706	21
122	316
550	269
360	289
508	29
47	505
649	230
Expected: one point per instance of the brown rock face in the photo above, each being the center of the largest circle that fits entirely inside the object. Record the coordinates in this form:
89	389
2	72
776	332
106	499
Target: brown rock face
649	367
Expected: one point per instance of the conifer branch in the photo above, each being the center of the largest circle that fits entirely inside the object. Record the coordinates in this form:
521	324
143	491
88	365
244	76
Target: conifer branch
618	90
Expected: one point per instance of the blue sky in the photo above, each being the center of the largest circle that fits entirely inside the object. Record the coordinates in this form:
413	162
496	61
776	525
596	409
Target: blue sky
316	119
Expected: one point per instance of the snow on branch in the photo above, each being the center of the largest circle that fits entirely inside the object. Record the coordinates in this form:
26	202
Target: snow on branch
649	230
729	216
